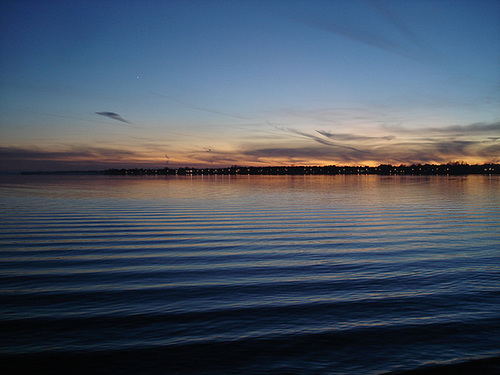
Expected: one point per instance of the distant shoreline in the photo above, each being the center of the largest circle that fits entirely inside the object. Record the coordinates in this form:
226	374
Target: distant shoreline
383	169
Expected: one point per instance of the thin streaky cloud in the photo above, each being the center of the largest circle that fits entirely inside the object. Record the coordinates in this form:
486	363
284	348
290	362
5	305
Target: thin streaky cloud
431	151
127	124
208	110
422	49
318	139
69	152
354	30
396	22
113	116
210	155
359	35
474	128
352	137
477	127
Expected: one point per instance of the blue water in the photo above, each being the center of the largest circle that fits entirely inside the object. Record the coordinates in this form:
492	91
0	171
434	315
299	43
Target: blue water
258	274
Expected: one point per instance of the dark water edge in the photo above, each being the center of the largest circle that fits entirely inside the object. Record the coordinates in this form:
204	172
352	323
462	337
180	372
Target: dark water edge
162	361
484	366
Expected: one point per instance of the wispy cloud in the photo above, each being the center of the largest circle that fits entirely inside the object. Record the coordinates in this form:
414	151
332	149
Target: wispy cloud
198	108
72	152
468	129
356	34
70	157
352	137
408	148
315	138
113	116
401	26
105	114
393	34
210	155
394	153
301	154
475	142
478	127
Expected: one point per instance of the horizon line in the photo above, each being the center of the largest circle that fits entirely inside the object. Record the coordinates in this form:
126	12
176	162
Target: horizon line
447	168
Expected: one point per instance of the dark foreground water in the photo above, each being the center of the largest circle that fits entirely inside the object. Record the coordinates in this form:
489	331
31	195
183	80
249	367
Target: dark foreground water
265	274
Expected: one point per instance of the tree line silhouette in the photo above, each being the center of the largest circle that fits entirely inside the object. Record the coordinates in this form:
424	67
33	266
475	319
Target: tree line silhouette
455	168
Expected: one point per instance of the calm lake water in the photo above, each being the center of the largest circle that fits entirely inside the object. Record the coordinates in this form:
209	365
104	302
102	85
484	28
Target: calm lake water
258	274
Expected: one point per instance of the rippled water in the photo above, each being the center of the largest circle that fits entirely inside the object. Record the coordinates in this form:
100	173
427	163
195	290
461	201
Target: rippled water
260	274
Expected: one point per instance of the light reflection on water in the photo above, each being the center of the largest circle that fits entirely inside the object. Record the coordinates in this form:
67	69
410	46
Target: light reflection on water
318	266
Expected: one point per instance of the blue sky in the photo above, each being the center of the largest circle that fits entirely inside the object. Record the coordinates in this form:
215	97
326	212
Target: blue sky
100	84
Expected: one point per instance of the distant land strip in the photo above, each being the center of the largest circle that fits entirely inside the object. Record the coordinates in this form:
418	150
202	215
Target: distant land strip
383	169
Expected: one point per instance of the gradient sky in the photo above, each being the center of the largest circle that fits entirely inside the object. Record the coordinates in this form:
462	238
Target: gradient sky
101	84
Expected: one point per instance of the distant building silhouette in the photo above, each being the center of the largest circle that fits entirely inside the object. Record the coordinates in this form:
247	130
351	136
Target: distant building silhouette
383	169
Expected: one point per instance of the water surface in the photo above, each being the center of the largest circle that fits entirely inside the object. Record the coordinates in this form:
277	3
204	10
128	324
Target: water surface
258	274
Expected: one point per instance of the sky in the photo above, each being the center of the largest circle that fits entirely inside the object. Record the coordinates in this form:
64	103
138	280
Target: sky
90	85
